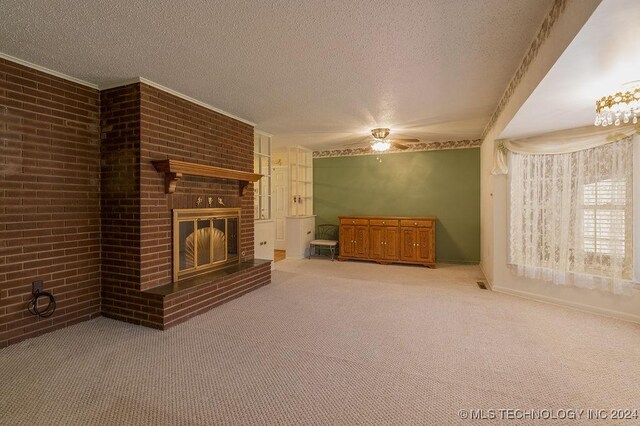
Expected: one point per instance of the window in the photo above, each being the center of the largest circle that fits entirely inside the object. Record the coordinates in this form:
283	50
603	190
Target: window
571	216
603	220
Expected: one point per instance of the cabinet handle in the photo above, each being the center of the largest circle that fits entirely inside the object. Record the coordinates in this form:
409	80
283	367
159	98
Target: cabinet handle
309	232
418	245
353	221
383	222
415	223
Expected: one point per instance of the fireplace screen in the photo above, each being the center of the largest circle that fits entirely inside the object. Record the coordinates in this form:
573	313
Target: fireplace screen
204	239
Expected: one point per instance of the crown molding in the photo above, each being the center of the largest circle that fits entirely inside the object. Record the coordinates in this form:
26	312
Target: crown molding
107	86
174	93
48	71
417	147
120	83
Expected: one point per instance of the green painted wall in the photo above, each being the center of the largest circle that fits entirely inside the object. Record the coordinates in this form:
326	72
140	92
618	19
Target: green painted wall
445	184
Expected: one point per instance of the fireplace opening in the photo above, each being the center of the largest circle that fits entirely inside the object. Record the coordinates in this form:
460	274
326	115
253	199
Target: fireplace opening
203	240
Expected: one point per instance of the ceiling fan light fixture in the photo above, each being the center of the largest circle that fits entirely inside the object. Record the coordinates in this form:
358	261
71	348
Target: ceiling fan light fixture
380	133
380	145
622	107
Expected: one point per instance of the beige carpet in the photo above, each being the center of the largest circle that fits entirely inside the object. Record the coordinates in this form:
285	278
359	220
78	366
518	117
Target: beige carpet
330	343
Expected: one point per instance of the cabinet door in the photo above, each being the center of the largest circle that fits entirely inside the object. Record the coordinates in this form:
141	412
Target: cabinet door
407	243
362	241
308	229
424	247
377	242
347	238
391	241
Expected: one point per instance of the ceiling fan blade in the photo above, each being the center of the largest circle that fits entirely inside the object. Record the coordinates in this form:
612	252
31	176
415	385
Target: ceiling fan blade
399	145
407	140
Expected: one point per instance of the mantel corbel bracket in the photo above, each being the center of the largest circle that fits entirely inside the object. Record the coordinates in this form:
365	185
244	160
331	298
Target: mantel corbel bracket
243	187
170	181
174	170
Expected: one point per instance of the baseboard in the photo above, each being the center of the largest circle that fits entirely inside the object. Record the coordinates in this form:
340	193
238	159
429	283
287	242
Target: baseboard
489	282
459	262
573	305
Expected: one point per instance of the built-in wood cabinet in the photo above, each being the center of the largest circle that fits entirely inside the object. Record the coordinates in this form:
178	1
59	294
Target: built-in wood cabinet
262	165
301	181
388	239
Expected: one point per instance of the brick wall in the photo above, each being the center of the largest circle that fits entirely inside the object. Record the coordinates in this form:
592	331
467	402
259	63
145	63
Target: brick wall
120	180
49	199
178	129
82	208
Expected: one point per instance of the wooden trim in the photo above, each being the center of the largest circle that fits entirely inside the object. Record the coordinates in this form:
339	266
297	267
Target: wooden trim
174	170
390	217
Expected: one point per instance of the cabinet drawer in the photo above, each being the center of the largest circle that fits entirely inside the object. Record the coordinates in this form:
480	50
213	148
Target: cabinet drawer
383	222
354	221
418	223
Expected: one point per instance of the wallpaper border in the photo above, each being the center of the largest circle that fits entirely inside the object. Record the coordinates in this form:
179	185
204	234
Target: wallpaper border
545	29
417	147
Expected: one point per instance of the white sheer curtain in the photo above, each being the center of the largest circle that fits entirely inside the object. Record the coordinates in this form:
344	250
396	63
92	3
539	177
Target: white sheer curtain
571	216
561	142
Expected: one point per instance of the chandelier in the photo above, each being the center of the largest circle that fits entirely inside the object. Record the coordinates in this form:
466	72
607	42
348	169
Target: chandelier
380	145
622	107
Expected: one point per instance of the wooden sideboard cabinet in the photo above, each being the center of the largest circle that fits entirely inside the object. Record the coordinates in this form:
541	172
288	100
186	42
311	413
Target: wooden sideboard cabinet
388	239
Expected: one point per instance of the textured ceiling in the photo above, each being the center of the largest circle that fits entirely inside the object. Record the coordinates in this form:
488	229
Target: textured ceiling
602	57
302	70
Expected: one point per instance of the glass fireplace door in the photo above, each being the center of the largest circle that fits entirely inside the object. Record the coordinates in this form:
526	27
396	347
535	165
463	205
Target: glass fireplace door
204	239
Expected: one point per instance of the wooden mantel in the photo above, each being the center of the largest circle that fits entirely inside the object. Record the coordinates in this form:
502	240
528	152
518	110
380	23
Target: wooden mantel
174	170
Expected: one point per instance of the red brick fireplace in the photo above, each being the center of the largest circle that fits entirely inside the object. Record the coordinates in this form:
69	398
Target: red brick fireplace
85	210
146	124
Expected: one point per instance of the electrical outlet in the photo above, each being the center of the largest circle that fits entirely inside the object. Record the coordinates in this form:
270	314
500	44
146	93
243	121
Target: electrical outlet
37	286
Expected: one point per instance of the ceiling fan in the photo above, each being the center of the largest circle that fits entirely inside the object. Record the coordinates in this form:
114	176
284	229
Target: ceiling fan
381	142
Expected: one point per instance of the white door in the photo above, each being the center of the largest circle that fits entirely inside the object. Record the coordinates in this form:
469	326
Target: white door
280	197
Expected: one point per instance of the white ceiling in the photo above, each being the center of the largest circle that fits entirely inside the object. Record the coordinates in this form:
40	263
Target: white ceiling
603	56
310	72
